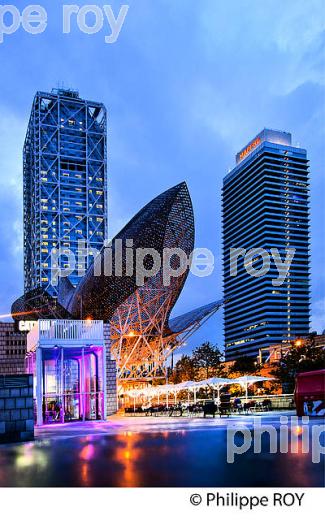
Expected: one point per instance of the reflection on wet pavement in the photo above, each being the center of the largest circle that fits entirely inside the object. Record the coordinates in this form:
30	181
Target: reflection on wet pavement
150	453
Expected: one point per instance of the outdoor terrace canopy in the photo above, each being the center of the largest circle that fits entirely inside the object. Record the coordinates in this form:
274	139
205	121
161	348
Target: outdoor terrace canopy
192	386
245	381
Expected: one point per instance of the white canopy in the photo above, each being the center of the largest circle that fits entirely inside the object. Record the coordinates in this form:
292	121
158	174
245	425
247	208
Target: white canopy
217	381
250	379
245	381
214	382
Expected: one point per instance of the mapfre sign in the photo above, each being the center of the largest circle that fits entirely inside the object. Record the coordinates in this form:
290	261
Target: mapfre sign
249	148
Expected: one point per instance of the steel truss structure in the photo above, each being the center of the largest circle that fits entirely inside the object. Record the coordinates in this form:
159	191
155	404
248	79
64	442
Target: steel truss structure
141	343
137	336
65	195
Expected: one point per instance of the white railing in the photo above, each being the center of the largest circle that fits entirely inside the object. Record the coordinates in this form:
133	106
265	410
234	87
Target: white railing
65	330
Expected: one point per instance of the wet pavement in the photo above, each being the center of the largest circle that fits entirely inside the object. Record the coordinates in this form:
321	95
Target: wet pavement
176	452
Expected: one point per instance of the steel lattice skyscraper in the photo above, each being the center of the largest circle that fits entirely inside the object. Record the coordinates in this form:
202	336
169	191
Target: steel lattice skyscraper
65	183
266	205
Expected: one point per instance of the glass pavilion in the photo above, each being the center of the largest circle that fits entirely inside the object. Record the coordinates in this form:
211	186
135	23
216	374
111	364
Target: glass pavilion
68	359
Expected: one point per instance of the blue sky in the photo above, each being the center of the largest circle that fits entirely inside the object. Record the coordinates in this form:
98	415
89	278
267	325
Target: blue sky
187	84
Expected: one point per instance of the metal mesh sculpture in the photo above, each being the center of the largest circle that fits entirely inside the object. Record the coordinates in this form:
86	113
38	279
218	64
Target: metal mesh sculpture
142	337
166	222
138	325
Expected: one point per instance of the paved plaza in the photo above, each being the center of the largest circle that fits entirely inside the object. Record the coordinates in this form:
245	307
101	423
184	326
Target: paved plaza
154	451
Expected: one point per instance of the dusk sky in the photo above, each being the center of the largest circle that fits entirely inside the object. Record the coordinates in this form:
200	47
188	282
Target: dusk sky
187	84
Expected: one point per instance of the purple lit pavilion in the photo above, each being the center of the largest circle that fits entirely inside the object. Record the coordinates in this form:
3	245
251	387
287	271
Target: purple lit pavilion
68	360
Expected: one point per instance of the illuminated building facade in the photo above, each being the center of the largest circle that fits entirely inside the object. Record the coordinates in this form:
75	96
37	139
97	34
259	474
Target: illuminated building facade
266	205
275	353
12	349
65	194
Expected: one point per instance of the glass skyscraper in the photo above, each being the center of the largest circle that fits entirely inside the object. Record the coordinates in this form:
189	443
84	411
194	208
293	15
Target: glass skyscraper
65	184
266	205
